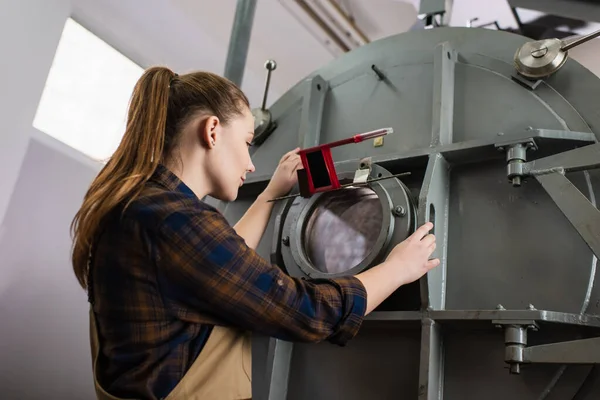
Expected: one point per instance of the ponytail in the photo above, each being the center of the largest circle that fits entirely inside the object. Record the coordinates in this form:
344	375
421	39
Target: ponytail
129	168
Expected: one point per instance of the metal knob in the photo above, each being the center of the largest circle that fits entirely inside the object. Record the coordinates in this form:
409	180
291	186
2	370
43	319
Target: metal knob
542	58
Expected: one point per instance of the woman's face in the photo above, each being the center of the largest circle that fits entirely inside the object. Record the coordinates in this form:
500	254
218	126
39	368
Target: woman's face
230	158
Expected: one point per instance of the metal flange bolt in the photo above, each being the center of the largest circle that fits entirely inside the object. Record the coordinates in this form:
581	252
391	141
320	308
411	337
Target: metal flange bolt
399	211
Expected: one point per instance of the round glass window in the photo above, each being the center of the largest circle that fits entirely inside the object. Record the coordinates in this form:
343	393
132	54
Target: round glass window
342	229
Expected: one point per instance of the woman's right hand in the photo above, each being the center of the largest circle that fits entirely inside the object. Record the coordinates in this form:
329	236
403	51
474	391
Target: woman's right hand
410	258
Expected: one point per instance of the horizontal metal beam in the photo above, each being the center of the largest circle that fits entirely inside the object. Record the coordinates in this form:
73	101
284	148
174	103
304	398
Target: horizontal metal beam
583	351
583	158
464	152
517	316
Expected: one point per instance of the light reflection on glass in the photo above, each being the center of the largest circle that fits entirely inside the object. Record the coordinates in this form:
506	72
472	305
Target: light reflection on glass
342	229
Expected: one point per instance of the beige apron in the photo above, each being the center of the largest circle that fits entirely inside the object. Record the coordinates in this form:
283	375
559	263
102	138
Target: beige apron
222	371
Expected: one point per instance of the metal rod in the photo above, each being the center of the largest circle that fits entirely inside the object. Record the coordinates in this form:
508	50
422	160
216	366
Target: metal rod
291	196
581	40
239	41
270	65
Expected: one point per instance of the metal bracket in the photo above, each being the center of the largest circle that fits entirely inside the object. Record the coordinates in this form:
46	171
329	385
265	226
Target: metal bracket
309	131
361	175
516	156
530	84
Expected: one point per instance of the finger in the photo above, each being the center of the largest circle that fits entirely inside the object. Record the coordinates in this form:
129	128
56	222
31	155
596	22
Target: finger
432	247
428	239
432	263
422	231
290	153
295	167
293	158
292	162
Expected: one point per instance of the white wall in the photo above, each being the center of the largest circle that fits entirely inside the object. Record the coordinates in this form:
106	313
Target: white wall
44	346
44	343
29	34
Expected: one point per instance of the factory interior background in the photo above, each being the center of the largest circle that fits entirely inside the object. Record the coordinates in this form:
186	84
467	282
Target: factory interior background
67	71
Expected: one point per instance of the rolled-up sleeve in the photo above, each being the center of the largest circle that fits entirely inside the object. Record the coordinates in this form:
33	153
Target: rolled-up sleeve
206	267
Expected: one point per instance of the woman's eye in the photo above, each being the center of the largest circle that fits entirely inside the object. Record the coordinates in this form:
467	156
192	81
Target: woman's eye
249	144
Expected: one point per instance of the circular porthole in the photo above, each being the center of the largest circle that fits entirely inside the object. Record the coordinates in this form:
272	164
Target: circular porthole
345	231
342	229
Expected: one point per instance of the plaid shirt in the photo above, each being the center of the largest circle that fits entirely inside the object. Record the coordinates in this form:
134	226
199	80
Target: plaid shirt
170	260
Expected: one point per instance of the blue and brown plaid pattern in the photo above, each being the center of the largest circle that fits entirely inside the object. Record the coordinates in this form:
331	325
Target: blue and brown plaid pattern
169	264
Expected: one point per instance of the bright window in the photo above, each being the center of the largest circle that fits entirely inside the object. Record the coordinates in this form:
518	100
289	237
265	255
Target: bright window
84	103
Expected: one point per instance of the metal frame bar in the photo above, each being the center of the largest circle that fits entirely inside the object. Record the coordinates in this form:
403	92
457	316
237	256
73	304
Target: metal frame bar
433	207
580	212
582	351
239	41
492	317
278	372
467	152
444	61
431	371
309	131
279	357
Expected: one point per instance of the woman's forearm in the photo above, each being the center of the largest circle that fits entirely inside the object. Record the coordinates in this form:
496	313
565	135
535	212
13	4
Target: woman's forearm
379	282
253	223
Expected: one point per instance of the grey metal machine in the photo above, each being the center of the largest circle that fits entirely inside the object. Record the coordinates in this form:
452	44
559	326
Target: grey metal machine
503	161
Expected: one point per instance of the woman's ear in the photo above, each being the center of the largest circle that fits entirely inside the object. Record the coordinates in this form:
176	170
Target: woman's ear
209	131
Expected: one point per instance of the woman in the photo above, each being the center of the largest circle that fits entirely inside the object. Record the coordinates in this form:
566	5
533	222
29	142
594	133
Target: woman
173	288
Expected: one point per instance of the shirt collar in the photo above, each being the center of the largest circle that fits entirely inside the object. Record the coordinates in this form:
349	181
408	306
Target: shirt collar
163	176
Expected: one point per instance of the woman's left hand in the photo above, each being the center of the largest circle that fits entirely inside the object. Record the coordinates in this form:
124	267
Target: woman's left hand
285	176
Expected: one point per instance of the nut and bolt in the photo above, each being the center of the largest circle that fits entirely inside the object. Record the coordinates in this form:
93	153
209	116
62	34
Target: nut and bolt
399	211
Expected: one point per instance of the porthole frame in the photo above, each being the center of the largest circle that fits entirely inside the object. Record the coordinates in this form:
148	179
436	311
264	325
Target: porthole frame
398	222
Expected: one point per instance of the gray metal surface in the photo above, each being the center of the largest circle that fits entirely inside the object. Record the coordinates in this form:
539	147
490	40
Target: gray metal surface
235	64
515	257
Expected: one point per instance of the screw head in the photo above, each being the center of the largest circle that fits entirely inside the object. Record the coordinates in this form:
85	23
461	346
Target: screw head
286	241
539	53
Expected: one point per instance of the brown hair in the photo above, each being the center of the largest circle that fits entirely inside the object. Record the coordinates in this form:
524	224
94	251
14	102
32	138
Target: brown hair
162	103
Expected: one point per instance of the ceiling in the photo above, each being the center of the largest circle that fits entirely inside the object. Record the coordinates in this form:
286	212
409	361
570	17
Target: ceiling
194	34
277	34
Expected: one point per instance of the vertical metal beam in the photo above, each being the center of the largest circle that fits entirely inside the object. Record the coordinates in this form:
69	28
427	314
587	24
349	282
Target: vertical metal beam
239	41
442	121
434	201
280	352
431	370
309	131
